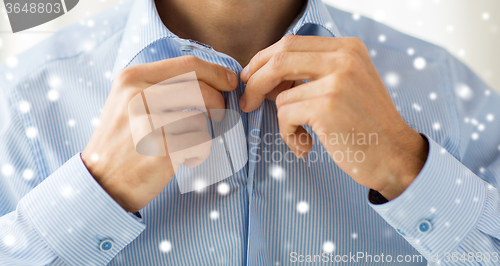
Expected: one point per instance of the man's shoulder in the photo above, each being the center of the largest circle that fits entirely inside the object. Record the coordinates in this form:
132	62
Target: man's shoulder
375	33
71	41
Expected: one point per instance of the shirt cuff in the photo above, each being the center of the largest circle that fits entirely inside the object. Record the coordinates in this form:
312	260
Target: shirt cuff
77	219
440	207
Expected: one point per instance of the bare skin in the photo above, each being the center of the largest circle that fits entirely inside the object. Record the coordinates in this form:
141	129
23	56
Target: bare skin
238	28
345	92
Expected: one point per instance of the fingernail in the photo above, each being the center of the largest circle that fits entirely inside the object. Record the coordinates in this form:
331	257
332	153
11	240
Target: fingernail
243	102
244	73
233	80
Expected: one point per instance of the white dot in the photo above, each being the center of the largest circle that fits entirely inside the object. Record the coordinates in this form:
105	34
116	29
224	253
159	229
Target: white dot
95	122
417	107
199	185
55	82
474	122
463	91
71	123
459	181
382	38
474	136
328	247
450	28
487	92
1	43
94	157
354	235
214	215
9	76
9	240
67	192
480	127
490	117
447	224
31	132
356	16
410	51
277	172
461	52
24	107
373	52
419	63
28	174
328	25
392	79
433	210
433	96
486	16
457	201
499	147
302	207
475	199
53	95
7	170
11	61
223	188
436	126
165	246
107	74
90	23
482	170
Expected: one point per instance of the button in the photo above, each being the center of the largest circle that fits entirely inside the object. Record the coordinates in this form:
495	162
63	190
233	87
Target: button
106	245
187	48
401	232
424	226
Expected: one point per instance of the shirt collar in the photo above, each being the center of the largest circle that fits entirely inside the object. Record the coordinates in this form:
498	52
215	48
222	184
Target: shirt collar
144	27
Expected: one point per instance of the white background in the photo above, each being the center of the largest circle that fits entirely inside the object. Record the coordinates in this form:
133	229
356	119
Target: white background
467	28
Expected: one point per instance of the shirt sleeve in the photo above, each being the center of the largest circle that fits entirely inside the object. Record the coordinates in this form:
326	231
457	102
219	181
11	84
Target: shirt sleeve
451	211
67	216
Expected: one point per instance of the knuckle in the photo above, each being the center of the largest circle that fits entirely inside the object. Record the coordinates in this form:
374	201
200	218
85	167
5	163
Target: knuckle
288	42
279	60
126	76
350	61
189	61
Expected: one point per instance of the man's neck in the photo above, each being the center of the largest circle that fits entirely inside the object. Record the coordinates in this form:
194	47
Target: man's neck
238	28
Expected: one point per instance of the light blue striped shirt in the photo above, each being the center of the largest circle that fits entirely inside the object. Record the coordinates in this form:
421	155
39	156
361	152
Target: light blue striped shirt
275	211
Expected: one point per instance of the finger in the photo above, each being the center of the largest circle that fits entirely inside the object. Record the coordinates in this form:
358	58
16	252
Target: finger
175	123
290	119
283	86
219	77
181	96
305	91
193	146
287	66
294	43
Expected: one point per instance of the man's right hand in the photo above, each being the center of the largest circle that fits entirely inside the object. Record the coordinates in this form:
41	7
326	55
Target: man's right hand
131	179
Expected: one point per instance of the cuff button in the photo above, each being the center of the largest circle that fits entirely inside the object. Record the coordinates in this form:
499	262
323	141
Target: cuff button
106	245
424	226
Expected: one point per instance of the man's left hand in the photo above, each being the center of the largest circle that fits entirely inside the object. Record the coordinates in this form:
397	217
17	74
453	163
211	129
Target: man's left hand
345	98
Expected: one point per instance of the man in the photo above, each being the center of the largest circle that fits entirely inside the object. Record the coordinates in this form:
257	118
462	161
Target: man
422	183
